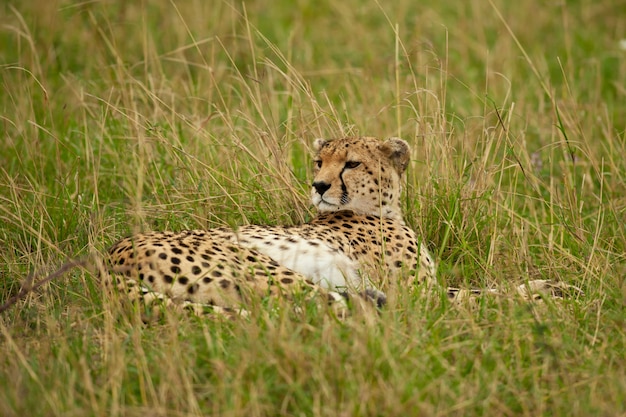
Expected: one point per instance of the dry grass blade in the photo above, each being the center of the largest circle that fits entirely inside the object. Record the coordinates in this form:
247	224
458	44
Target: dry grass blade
31	283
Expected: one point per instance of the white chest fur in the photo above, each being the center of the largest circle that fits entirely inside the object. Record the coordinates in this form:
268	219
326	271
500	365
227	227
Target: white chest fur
313	258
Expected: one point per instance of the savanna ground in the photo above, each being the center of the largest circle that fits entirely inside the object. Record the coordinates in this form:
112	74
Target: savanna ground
120	116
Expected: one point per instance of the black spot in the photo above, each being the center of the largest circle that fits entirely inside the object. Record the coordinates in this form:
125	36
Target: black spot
190	258
207	280
150	252
398	264
163	255
175	269
151	279
177	251
251	258
183	280
175	261
140	277
224	283
167	278
121	261
196	270
216	274
193	288
286	280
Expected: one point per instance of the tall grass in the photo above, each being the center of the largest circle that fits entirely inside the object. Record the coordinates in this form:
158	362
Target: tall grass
124	116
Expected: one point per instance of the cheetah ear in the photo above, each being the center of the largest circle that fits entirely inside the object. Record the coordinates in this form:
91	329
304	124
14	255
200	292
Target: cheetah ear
398	151
319	144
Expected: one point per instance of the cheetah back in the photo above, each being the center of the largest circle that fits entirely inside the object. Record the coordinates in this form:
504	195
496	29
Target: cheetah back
200	267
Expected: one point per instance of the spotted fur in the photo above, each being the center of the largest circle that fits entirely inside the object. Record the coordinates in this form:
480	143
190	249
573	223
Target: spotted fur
357	239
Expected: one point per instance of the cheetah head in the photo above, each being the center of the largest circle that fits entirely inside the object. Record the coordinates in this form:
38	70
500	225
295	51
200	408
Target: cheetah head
360	174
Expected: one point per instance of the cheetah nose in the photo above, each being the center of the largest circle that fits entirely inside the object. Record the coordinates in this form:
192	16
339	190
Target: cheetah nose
321	187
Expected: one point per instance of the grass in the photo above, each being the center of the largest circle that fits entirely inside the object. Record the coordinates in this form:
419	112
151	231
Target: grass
124	116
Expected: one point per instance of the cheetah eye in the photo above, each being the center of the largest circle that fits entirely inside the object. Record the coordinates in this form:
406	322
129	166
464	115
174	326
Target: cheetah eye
352	164
318	163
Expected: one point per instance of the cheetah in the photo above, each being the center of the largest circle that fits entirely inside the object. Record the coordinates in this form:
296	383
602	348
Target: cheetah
357	241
